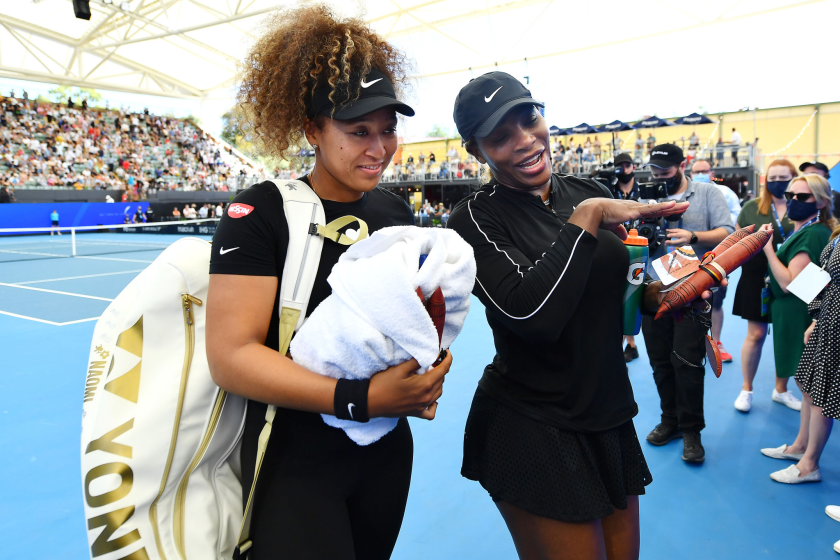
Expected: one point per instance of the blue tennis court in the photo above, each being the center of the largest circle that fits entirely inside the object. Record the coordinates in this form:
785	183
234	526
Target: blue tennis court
727	508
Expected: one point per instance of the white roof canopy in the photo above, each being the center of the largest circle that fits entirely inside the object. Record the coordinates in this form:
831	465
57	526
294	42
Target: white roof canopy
190	48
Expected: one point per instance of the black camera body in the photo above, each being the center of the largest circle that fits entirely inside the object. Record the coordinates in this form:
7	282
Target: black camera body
606	176
654	229
653	190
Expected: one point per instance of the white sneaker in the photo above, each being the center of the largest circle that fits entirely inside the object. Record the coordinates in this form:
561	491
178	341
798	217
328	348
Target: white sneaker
833	512
837	547
744	401
787	399
790	475
779	453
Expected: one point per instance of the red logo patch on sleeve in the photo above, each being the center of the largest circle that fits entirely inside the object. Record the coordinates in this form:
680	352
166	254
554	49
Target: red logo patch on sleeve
238	210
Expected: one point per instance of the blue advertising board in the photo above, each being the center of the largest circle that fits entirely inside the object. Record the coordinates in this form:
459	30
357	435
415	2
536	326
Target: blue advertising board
71	214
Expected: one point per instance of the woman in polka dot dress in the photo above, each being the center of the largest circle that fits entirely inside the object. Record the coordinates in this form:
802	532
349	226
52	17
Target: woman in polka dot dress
818	375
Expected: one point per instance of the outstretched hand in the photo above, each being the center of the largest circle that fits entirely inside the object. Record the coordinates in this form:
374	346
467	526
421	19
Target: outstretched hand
606	213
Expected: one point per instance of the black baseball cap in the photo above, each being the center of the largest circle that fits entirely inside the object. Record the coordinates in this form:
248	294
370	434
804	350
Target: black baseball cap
485	101
666	155
821	166
375	91
623	157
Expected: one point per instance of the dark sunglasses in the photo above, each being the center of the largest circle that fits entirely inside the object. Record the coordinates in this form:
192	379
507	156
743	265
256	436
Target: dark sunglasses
801	197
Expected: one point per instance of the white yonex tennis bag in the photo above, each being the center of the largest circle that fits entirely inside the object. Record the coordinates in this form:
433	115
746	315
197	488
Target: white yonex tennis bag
160	441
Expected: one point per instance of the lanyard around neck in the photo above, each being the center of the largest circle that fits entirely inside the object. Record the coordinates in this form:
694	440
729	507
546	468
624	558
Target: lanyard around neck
778	222
810	222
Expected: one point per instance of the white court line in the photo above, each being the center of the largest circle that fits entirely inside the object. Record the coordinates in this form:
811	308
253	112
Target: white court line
32	253
113	259
78	277
54	292
48	322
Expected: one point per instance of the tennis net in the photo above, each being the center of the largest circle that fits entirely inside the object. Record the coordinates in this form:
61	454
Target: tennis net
26	244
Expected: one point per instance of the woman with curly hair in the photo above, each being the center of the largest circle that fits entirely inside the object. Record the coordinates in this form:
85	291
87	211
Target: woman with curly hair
330	81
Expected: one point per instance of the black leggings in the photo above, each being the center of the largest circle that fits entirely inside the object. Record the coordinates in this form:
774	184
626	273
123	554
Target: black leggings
322	496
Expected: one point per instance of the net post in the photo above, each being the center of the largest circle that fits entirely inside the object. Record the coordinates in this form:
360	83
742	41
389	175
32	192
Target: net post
73	240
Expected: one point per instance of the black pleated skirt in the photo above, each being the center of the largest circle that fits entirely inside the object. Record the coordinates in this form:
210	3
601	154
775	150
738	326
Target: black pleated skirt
548	471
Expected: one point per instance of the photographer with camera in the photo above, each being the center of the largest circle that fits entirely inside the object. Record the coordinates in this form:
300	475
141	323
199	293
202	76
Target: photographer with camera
677	349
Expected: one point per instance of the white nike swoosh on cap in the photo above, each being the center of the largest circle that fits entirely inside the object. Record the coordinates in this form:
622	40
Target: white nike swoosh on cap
351	405
368	84
492	95
222	250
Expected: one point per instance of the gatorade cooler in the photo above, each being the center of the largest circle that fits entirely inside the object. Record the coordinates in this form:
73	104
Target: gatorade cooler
637	246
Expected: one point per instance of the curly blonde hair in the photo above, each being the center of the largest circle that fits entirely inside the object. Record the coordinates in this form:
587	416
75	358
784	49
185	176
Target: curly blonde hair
301	49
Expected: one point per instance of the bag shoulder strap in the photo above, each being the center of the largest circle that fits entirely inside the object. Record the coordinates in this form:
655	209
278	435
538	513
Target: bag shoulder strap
305	217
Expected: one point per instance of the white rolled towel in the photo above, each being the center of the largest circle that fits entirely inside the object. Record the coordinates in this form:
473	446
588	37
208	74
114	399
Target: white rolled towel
374	319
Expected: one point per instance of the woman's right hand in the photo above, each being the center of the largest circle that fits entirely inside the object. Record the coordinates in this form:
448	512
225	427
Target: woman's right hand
611	214
398	391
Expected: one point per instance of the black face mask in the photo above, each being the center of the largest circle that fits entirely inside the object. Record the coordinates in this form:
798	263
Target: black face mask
777	188
798	211
625	178
671	184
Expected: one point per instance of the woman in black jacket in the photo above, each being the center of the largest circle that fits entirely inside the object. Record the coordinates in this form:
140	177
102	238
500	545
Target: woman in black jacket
550	433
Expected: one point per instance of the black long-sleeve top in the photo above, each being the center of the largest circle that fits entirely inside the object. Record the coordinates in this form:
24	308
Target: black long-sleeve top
553	295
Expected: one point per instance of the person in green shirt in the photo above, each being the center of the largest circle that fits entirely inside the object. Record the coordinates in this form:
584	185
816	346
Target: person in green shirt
809	206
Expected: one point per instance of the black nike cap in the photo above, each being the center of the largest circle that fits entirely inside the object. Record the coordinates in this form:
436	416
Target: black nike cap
484	102
375	91
666	155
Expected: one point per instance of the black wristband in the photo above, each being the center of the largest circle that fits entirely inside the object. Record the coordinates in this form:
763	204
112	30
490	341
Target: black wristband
351	399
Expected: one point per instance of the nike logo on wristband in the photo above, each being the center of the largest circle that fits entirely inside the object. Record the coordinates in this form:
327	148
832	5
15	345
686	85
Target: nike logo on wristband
351	405
222	250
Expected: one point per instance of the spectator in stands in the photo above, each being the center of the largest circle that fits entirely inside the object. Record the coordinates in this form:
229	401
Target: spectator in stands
220	210
693	140
176	214
452	155
596	149
6	196
703	172
735	144
769	208
809	199
651	142
638	153
719	149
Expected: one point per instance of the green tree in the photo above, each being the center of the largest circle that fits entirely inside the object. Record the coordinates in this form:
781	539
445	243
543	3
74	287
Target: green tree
60	94
439	132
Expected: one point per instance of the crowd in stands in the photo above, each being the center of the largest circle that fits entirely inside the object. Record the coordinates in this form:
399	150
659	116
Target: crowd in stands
53	145
454	165
571	156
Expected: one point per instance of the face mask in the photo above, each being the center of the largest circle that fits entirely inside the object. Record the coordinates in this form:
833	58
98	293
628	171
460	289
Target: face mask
671	184
798	211
701	178
625	178
777	188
